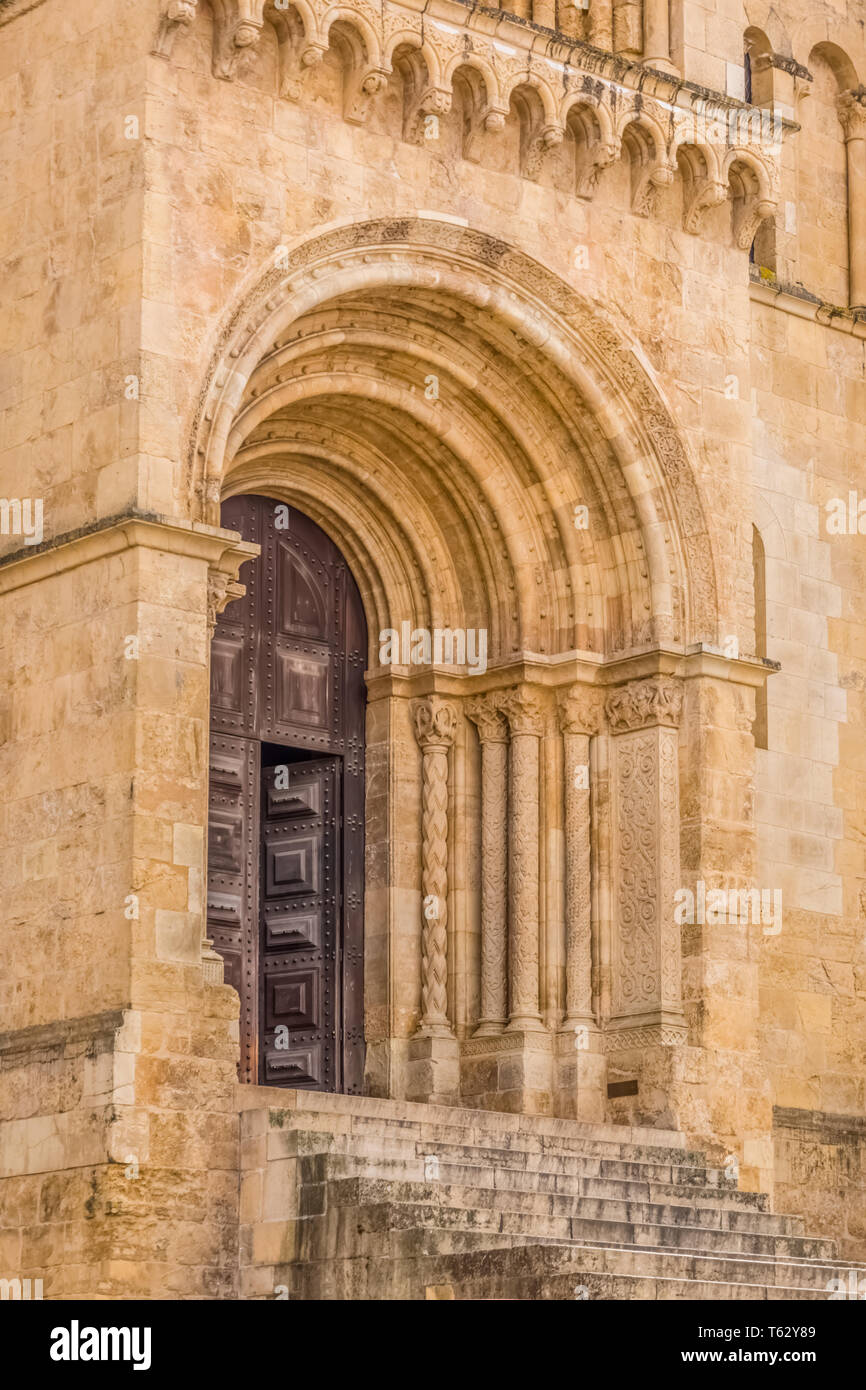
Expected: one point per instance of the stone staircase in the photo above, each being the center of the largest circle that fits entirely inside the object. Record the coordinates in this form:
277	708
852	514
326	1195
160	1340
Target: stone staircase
354	1198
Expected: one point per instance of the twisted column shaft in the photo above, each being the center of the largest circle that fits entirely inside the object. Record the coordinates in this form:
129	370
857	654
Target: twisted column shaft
435	725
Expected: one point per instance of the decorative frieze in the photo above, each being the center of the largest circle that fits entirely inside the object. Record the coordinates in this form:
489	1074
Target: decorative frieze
625	82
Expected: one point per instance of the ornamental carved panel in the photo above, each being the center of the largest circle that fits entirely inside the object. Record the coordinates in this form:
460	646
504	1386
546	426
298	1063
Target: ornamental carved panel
636	977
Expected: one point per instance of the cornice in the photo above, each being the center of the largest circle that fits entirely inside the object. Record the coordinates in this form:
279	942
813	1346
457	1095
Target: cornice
791	299
568	669
218	548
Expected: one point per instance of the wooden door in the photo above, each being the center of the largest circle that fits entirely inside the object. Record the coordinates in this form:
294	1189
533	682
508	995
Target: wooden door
286	833
300	902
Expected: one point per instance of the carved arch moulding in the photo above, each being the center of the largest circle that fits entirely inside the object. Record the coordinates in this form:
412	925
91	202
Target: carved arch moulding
581	346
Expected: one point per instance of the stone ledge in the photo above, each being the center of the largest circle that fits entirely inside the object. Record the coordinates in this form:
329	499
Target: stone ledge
791	299
115	534
832	1128
57	1037
462	1117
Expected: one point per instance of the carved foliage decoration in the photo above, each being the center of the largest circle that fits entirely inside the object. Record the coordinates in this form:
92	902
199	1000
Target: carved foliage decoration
851	107
636	978
643	703
177	15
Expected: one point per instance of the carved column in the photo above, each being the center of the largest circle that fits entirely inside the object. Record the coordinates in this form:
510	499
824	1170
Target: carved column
579	715
580	1063
852	114
493	737
525	718
647	961
433	1072
435	725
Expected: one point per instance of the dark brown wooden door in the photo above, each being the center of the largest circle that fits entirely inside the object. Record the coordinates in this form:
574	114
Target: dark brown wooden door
285	849
300	903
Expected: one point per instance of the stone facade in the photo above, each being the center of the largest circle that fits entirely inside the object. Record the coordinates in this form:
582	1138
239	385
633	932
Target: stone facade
554	321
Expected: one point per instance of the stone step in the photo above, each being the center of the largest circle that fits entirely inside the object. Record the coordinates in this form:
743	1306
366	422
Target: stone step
385	1247
469	1204
522	1273
624	1189
460	1139
455	1157
356	1113
495	1203
346	1228
480	1178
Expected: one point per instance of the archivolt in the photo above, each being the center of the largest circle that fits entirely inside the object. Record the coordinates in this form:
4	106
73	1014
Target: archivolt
443	406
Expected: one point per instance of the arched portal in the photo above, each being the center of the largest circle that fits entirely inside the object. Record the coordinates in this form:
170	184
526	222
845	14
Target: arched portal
286	820
500	471
442	404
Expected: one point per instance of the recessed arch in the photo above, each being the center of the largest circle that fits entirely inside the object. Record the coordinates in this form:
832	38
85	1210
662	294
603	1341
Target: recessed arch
419	351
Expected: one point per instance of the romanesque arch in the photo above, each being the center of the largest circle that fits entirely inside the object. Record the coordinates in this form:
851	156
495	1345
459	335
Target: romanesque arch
491	458
537	395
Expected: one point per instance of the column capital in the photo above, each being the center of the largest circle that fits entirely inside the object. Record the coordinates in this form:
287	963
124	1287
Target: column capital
643	703
851	107
178	14
222	590
524	711
435	723
579	710
485	713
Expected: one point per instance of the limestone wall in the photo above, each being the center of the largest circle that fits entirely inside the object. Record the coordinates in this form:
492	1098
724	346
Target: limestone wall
144	197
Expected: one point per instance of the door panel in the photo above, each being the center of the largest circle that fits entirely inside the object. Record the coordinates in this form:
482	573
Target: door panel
299	908
286	863
233	836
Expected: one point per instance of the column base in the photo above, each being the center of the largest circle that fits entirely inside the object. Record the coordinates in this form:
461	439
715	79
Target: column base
513	1071
581	1073
489	1028
640	1065
433	1069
